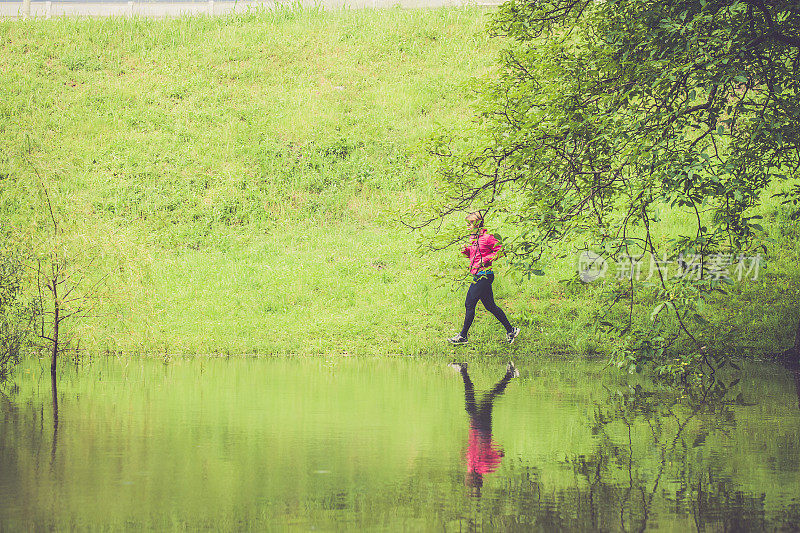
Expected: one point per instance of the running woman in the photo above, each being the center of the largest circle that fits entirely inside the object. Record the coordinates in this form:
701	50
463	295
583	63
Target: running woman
482	250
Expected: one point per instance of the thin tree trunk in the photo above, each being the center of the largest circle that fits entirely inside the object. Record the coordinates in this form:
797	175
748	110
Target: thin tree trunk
54	355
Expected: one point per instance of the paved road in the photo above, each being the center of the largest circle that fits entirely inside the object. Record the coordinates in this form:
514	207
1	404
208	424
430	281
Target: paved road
47	9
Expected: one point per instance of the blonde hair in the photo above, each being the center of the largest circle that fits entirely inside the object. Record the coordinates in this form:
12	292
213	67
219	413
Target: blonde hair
475	216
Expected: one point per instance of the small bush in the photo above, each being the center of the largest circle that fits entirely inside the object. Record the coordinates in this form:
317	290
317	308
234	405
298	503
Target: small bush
16	315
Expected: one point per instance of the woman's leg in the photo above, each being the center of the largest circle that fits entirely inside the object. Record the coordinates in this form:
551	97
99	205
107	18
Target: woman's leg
487	298
473	296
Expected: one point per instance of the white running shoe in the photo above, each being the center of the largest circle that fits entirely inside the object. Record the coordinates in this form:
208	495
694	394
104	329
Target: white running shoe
458	339
511	335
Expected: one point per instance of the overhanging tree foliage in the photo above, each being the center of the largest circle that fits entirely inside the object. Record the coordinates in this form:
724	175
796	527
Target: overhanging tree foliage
604	111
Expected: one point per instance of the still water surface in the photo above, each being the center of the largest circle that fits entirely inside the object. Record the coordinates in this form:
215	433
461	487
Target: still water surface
394	444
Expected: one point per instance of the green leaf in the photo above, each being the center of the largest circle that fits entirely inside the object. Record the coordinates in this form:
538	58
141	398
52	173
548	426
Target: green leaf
657	310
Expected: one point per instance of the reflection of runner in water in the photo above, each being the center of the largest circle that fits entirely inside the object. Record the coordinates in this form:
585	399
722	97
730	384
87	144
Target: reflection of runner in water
483	455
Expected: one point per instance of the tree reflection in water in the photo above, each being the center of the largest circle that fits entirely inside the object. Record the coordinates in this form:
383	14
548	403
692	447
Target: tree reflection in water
651	468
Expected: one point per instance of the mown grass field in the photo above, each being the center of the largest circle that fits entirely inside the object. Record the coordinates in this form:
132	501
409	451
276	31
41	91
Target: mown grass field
237	183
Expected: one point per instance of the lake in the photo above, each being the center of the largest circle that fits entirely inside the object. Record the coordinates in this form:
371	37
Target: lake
395	443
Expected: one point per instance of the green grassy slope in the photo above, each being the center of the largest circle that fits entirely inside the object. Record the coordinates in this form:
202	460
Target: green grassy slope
236	180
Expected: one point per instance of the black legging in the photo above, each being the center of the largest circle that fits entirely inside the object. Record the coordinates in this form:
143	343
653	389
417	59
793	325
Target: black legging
481	290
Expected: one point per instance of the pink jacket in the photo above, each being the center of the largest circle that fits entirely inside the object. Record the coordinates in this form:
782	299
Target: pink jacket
485	247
